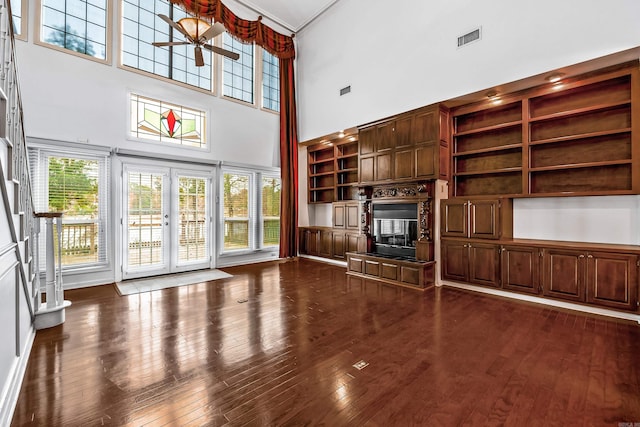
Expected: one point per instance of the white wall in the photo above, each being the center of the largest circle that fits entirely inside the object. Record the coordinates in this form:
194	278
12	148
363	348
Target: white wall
74	99
605	219
402	55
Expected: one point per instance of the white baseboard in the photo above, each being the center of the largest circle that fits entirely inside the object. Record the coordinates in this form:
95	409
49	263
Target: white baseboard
12	390
545	301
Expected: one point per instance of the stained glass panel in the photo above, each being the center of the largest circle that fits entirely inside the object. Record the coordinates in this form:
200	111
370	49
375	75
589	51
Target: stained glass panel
165	122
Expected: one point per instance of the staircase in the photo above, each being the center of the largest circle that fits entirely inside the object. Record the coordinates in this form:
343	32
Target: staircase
21	308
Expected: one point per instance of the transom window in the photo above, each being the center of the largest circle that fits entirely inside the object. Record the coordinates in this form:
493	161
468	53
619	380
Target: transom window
141	26
161	121
76	25
270	82
237	76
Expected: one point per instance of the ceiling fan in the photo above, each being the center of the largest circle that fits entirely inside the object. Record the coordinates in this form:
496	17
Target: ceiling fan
197	32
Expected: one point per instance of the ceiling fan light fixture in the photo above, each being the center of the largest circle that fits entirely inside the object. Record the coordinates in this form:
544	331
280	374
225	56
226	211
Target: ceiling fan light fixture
195	27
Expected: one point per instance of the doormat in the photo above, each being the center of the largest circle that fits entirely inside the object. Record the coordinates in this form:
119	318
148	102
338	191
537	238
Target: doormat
148	284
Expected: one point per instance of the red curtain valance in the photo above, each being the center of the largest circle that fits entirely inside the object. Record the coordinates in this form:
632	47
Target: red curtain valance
256	32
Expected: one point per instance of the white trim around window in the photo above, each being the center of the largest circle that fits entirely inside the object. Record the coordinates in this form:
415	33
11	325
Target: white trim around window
62	17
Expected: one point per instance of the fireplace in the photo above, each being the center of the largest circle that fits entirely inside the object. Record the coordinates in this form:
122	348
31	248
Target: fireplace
395	229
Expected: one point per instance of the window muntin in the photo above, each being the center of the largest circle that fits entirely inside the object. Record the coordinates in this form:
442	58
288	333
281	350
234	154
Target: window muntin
78	185
76	25
236	193
270	81
165	122
271	189
141	26
238	76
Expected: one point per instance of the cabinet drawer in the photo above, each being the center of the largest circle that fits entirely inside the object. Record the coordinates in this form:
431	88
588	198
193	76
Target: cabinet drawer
389	271
372	268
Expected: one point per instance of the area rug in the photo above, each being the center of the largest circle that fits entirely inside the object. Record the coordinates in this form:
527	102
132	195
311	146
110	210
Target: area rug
148	284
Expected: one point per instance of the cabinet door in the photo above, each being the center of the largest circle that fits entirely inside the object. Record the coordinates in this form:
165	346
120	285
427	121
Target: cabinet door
612	280
311	242
563	274
404	166
367	168
367	140
382	169
352	243
484	264
339	214
326	243
385	136
453	218
352	216
455	260
339	245
425	127
484	216
404	134
520	268
426	161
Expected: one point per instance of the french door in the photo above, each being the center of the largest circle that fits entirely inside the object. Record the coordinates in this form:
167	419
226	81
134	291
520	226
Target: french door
166	220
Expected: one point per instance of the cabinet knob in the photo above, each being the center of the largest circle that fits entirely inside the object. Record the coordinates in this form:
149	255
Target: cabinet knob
589	256
581	256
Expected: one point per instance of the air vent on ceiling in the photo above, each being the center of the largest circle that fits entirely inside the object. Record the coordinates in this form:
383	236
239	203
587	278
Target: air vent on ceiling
345	90
469	37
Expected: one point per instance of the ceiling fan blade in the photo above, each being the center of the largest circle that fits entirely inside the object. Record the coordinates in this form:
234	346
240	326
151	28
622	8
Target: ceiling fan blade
213	31
198	55
173	25
224	52
161	44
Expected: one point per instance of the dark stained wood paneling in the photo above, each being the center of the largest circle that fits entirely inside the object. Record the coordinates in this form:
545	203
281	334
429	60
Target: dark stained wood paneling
563	274
197	355
404	166
520	269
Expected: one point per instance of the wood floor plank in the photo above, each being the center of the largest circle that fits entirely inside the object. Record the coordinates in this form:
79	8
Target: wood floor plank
276	343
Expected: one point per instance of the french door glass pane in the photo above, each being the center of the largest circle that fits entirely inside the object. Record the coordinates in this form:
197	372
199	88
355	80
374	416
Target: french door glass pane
193	226
145	228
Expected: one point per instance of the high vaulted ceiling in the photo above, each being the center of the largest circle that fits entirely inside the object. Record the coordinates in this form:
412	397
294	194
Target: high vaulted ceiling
294	15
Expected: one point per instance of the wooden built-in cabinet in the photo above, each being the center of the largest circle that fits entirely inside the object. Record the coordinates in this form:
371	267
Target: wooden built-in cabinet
346	215
477	248
327	242
470	262
413	274
592	276
334	242
595	274
411	146
332	171
476	219
573	139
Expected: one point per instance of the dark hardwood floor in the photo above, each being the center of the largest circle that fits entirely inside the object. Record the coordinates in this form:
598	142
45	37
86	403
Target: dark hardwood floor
275	345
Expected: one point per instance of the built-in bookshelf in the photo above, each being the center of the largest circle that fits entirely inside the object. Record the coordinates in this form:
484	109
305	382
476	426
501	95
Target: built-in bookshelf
567	138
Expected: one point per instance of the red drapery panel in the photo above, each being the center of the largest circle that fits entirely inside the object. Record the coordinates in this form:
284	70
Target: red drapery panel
283	48
288	161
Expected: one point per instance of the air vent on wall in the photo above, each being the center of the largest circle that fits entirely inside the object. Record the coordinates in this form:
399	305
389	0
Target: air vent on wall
469	37
345	90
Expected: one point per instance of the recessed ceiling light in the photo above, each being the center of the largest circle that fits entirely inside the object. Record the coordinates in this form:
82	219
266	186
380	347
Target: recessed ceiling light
556	77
